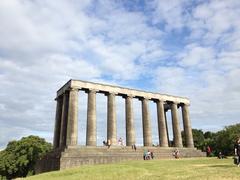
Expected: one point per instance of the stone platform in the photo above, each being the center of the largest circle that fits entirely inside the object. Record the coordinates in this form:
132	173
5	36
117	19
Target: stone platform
77	156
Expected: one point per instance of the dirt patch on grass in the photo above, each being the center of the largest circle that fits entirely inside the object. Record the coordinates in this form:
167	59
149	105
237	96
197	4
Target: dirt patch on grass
201	165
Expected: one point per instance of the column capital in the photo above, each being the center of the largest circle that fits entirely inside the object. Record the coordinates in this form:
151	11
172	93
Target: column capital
144	98
73	89
160	100
184	104
70	90
128	96
91	91
173	102
110	93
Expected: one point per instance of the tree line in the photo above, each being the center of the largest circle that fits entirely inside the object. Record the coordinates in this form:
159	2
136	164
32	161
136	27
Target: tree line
222	141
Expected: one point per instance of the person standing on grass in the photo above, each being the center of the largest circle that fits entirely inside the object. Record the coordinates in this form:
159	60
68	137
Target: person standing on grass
237	150
208	151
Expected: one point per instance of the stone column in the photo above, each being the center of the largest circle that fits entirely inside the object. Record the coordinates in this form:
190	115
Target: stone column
111	118
162	130
130	130
165	115
187	126
58	117
91	119
72	127
146	122
63	133
176	126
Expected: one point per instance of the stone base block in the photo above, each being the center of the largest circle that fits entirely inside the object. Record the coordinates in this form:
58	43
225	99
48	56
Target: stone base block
77	156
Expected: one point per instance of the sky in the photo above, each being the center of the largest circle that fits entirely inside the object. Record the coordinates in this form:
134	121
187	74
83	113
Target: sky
187	48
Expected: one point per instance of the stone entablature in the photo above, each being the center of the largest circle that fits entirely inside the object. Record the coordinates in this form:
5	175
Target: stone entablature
121	91
66	121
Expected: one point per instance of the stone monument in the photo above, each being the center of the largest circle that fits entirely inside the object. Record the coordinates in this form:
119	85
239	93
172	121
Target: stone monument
67	153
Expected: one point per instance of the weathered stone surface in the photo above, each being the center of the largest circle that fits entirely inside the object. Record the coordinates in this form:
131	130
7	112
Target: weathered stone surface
58	119
177	138
162	128
111	119
120	90
130	129
73	157
91	119
63	132
187	126
146	122
72	120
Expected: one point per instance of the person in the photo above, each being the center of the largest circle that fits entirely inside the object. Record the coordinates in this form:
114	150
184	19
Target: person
152	156
208	151
144	154
176	154
134	147
220	155
120	141
237	150
122	144
148	155
108	143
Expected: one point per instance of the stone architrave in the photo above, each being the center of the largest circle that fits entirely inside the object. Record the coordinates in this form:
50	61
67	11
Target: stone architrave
58	117
111	119
72	124
162	130
146	122
187	126
130	130
176	126
91	119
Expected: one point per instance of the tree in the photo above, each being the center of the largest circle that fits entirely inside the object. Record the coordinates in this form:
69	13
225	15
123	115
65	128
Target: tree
19	157
198	138
209	135
224	140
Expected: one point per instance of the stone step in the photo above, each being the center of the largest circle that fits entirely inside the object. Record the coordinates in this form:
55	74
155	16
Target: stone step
158	152
73	156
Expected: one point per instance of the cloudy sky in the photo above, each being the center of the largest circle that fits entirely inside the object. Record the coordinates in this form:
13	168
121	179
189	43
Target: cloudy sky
180	47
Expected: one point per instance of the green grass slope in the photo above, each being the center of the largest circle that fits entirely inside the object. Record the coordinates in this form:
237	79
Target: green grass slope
191	168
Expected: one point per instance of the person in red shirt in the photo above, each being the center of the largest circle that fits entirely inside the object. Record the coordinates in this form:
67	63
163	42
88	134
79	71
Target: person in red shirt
208	151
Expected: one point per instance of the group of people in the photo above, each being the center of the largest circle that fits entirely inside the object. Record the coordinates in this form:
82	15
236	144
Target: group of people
221	155
120	143
147	155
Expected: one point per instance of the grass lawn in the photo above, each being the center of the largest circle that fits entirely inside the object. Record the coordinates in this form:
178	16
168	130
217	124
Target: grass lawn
191	168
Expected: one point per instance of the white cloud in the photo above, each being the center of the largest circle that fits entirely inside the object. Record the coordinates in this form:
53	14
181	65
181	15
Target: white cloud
195	55
170	12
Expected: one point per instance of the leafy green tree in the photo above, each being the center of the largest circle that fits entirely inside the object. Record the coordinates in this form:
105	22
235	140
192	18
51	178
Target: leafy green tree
19	157
224	140
209	135
198	138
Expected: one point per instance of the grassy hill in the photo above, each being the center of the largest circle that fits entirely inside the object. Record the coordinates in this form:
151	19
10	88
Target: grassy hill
191	168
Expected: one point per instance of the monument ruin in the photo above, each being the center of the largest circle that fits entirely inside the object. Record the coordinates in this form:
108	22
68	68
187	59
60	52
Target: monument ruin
67	153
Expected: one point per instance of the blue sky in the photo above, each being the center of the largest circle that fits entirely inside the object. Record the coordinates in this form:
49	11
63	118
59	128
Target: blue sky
179	47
